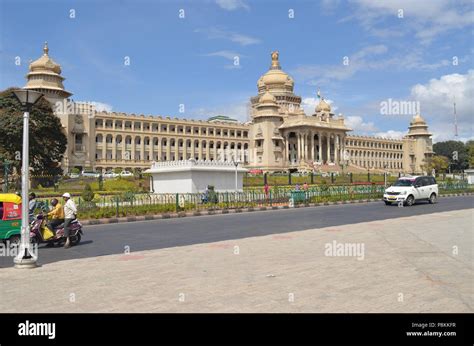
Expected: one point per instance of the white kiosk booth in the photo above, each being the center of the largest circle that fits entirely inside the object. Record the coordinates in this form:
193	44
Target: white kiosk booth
191	176
470	176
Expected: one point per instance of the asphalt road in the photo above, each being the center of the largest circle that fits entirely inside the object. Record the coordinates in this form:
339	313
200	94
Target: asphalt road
109	239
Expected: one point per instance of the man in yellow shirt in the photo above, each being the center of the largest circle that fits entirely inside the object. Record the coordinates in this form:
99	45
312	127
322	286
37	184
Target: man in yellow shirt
56	215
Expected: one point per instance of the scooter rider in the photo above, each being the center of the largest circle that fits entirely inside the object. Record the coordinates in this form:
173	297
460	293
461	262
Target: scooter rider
32	204
56	215
70	211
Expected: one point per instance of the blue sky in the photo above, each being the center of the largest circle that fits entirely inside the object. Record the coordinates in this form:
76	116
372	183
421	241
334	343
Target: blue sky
423	53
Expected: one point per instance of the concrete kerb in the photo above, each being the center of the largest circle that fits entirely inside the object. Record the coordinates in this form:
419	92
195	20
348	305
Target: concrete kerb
233	211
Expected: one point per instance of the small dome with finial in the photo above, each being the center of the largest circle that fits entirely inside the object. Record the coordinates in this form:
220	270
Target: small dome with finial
267	97
45	63
323	106
418	119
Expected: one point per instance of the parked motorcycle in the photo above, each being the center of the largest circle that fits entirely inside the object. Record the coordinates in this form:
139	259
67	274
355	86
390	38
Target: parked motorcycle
39	230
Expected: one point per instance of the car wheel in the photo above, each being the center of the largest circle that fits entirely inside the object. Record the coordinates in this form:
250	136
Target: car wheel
410	200
432	199
387	203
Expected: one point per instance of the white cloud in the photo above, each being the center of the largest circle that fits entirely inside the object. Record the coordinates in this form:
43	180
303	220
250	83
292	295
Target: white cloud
227	54
243	40
101	107
436	98
426	19
231	5
309	104
233	67
366	59
391	134
317	74
329	6
357	124
219	33
237	110
232	56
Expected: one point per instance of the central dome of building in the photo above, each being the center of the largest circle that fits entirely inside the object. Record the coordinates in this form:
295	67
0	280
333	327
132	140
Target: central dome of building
275	79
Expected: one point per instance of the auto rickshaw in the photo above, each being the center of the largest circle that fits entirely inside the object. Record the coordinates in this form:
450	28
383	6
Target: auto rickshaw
10	218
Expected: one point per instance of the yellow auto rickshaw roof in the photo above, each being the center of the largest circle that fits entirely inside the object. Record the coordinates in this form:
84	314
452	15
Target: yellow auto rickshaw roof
10	198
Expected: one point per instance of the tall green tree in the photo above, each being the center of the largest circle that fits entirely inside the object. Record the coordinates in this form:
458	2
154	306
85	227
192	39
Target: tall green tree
448	147
470	147
439	163
47	141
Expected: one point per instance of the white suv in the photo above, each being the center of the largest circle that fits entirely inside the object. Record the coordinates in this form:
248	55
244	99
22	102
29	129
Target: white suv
90	174
410	189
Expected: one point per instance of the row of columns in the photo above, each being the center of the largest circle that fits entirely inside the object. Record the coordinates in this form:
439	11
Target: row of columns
152	150
306	140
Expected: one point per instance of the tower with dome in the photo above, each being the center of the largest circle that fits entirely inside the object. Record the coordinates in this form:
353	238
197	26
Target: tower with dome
45	76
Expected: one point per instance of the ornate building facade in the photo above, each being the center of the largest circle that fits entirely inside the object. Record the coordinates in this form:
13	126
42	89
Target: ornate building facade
283	137
279	136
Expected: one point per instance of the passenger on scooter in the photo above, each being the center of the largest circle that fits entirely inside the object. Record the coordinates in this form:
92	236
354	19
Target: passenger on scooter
56	215
70	211
32	204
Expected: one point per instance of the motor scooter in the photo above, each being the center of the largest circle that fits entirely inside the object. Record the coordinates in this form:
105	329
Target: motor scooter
39	227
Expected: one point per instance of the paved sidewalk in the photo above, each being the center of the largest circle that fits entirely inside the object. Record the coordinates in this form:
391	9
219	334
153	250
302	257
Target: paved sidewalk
411	264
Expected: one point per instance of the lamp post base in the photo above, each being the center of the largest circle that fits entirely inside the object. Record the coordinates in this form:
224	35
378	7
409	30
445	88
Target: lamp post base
26	257
25	263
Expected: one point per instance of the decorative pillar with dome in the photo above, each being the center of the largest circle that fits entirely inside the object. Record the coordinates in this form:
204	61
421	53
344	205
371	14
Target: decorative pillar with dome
45	76
417	146
266	143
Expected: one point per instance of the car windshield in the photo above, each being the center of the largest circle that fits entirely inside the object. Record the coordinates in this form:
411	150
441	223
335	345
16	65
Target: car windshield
404	182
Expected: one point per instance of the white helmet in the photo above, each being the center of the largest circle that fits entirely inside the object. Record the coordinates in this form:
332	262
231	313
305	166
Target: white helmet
67	195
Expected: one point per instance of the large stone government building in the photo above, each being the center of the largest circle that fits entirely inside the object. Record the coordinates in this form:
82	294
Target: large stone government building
279	136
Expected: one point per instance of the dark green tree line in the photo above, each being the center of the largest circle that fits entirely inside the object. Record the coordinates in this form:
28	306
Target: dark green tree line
47	141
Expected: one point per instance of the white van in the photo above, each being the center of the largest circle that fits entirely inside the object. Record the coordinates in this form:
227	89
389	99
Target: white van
408	190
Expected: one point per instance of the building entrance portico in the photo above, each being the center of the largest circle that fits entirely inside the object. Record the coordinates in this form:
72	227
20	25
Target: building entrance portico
312	146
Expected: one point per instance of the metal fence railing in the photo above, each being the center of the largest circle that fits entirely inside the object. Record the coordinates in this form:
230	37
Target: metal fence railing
142	204
453	185
129	204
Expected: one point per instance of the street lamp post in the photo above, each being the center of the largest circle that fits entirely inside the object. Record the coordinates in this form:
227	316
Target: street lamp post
236	164
26	257
345	161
